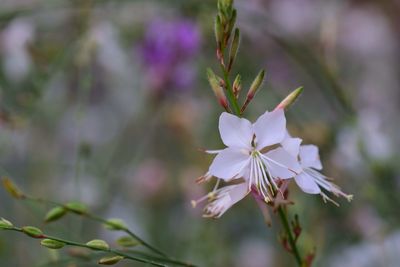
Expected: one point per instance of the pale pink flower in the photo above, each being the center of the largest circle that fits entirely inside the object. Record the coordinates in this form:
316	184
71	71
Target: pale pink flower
310	180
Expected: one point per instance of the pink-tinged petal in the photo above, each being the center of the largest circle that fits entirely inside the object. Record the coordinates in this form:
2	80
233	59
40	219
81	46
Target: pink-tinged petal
235	131
229	163
309	157
307	183
281	164
270	128
291	145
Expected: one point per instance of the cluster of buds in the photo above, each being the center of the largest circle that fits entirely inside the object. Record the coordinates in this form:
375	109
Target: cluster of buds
228	42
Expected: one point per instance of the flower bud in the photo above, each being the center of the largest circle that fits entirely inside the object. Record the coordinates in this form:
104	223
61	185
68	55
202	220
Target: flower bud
115	224
32	231
290	99
110	260
219	32
5	224
218	90
52	244
76	207
127	241
12	189
253	88
55	214
256	84
98	244
237	85
234	48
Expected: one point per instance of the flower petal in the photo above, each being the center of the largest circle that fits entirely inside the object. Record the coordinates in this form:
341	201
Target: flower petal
235	131
225	198
307	183
309	157
229	163
270	128
291	145
281	164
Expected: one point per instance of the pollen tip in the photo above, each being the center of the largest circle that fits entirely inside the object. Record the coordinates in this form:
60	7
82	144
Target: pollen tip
194	203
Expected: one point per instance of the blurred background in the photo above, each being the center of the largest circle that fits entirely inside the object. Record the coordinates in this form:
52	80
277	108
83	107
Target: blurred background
106	102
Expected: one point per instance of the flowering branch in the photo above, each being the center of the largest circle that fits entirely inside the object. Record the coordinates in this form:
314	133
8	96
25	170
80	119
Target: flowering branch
58	243
261	157
81	209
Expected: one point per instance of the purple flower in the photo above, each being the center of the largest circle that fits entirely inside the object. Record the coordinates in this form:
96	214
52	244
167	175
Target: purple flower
167	52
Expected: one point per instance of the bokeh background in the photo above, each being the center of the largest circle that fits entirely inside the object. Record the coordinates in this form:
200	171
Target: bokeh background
106	101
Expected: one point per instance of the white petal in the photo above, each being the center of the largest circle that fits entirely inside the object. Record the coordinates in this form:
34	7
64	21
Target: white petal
238	192
291	145
281	164
307	183
225	198
229	163
270	128
235	131
309	157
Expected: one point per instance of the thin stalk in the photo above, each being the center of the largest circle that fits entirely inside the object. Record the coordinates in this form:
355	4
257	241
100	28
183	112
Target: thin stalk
93	217
292	242
77	244
231	97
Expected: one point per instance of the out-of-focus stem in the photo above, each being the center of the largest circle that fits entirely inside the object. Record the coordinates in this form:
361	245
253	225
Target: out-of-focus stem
77	244
292	242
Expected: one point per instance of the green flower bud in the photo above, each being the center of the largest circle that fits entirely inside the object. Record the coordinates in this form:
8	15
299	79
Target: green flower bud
127	241
115	224
5	224
234	48
52	244
253	88
256	84
32	231
219	32
237	85
11	188
76	207
290	99
55	214
110	260
217	88
98	244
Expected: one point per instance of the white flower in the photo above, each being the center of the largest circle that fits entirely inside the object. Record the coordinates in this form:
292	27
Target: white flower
310	180
252	152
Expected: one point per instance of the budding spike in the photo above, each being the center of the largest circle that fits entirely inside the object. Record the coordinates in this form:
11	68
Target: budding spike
234	48
254	88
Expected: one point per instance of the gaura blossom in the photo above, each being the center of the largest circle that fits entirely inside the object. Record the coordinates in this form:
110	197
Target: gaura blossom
254	154
310	180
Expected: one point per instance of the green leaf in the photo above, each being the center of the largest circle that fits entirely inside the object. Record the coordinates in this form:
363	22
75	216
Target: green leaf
55	214
127	241
52	244
76	207
98	244
115	224
32	231
110	260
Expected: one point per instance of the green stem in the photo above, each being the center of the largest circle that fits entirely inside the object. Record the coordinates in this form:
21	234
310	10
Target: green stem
93	217
113	251
292	242
231	97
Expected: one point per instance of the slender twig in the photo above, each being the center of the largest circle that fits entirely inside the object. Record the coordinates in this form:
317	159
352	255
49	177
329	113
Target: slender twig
78	244
292	242
94	217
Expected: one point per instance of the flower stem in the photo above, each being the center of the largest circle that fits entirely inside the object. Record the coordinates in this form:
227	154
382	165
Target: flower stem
231	97
113	251
292	242
93	217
